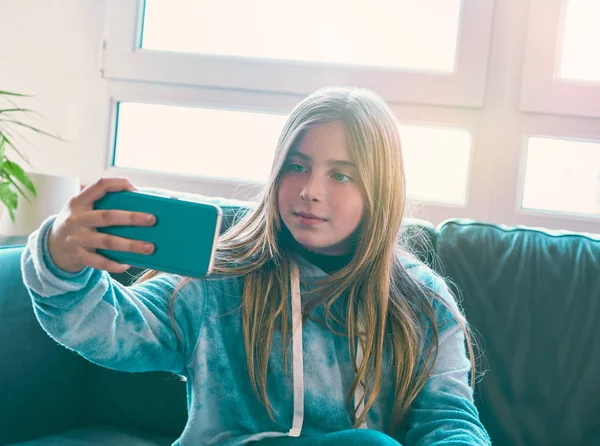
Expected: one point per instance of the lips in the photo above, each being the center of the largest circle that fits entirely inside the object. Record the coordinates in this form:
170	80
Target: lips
311	216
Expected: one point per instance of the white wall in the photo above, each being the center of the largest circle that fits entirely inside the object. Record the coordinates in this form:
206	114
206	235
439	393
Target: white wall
49	49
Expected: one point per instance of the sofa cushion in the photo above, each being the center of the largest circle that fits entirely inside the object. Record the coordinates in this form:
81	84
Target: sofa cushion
534	296
101	435
150	401
38	377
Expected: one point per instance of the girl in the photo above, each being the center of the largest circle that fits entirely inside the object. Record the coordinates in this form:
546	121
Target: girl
315	323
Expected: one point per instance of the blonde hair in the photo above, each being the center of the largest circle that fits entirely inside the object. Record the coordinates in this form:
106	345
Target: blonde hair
398	311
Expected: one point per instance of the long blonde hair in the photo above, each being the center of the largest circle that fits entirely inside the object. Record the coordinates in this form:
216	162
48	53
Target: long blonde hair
399	316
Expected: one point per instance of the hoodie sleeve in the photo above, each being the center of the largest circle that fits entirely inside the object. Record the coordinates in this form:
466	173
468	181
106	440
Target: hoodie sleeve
443	413
122	328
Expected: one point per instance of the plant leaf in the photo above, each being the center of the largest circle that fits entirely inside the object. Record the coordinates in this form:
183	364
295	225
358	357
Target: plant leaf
2	142
9	198
22	141
16	171
30	127
8	93
11	174
15	108
23	110
14	183
5	134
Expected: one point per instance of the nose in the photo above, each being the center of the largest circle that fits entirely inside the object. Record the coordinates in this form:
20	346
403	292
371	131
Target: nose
312	190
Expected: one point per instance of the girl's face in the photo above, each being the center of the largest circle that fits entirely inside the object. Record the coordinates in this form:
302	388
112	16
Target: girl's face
319	198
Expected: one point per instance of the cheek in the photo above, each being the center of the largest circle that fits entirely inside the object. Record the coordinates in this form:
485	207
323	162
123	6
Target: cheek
285	191
350	204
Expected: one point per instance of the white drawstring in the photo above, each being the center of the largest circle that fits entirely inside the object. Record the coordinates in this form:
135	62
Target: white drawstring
298	361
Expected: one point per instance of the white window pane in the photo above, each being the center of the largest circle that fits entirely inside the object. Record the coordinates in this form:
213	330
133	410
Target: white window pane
436	161
409	34
562	175
200	142
581	41
197	141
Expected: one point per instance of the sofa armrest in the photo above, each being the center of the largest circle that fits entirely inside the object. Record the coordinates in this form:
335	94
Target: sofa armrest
41	382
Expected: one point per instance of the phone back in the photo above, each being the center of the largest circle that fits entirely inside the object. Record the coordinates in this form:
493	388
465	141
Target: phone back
184	235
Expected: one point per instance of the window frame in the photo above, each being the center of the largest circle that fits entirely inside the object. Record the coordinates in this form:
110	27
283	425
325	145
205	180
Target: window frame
541	89
553	127
122	59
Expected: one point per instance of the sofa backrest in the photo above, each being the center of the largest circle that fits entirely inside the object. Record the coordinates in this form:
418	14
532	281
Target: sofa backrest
534	297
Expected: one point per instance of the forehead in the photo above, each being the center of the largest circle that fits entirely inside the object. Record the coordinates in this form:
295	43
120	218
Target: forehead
325	142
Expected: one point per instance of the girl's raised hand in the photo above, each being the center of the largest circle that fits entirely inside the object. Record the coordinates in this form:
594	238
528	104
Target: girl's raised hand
73	238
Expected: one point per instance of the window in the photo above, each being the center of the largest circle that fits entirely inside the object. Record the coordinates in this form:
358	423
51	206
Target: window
437	162
561	72
196	141
400	34
388	46
178	83
581	33
199	142
562	176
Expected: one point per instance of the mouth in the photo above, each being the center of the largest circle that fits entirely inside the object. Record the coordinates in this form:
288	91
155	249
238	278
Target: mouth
308	220
307	216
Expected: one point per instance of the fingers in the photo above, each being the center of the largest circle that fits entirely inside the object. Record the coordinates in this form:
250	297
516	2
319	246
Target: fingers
105	217
97	190
100	262
75	238
97	240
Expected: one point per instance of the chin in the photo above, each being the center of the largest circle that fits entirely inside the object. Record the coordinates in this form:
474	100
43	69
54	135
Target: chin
318	246
309	242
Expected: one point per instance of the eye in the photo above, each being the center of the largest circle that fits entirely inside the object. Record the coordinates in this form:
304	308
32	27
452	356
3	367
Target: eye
341	178
298	168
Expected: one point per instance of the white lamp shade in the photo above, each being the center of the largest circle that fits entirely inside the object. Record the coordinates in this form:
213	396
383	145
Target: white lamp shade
53	192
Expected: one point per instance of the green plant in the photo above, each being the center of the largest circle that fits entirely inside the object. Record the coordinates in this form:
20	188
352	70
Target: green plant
13	179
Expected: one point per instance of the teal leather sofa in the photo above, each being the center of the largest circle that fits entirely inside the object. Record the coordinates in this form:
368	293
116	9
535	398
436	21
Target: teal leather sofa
532	295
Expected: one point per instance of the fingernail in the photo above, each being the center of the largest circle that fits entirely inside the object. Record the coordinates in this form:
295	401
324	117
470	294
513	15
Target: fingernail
147	247
150	218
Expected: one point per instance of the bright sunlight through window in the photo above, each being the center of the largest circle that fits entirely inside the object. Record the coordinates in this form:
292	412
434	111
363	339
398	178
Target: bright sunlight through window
436	161
420	35
200	142
196	141
563	176
581	41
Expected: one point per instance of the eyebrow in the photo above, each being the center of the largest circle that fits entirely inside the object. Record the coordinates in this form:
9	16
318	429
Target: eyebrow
342	163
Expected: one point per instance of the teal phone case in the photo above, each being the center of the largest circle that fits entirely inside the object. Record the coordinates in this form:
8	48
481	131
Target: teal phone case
184	235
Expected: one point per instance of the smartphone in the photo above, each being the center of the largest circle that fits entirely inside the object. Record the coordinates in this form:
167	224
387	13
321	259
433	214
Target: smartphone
184	236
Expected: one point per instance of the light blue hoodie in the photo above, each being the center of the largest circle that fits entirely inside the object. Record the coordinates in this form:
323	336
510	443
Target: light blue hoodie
129	329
